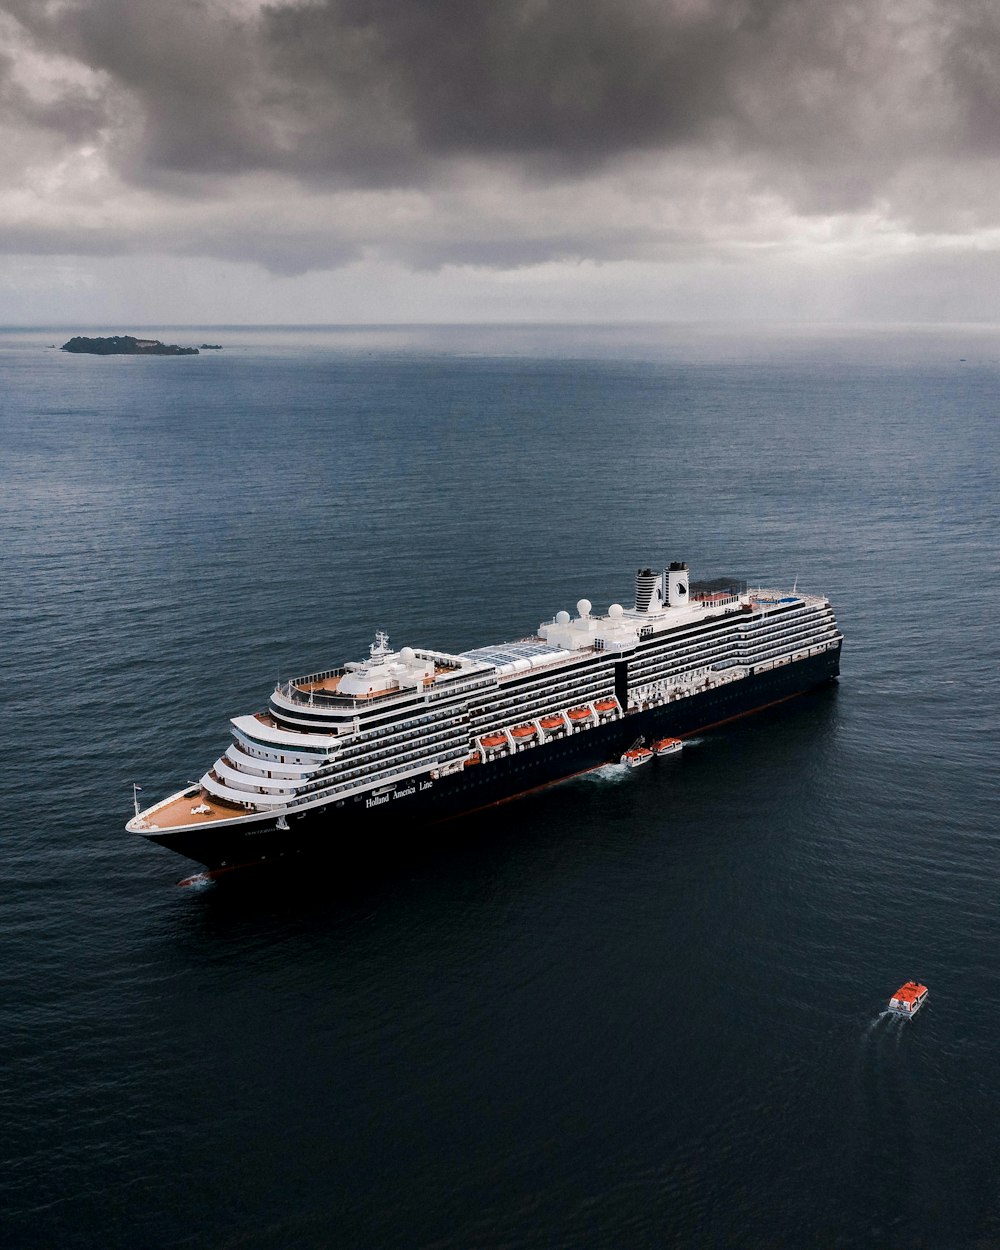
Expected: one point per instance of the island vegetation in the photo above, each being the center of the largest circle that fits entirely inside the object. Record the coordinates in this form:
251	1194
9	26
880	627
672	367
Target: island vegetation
125	345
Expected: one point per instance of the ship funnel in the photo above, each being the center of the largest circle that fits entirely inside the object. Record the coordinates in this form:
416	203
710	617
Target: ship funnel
675	579
648	591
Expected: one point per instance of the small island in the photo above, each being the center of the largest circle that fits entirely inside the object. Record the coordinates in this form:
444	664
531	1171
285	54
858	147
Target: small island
125	345
211	347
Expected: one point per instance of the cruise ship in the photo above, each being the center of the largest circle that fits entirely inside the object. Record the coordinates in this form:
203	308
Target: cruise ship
403	738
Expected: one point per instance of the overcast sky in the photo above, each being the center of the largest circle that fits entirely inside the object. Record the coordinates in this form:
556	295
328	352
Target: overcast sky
398	160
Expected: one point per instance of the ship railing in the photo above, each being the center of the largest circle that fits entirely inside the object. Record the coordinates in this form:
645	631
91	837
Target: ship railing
379	779
734	670
293	687
424	729
384	698
543	735
372	765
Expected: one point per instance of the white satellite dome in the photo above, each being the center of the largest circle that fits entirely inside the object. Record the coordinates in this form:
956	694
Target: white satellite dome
584	606
615	611
562	618
407	655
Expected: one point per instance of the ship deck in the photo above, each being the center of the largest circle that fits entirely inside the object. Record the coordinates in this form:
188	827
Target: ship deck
325	685
330	685
178	811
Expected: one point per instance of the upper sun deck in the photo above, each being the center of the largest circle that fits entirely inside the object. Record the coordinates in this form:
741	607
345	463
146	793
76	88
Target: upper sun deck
386	677
329	684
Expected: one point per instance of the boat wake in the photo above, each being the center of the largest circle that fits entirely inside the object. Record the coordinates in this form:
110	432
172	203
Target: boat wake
889	1025
882	1016
200	881
607	774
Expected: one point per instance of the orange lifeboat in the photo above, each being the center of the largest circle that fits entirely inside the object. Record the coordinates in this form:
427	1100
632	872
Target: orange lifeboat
607	705
667	746
908	999
494	740
523	732
579	713
473	759
635	757
551	722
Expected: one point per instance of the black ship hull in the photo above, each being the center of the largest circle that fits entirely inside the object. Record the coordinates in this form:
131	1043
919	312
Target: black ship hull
361	822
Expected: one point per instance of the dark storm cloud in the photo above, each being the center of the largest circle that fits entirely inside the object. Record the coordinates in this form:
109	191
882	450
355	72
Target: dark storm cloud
572	83
372	91
375	91
822	104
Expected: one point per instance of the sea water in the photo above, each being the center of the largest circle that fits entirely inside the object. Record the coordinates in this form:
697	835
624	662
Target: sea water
635	1010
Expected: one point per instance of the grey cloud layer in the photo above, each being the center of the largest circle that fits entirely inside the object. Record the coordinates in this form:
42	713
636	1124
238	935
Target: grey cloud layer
826	104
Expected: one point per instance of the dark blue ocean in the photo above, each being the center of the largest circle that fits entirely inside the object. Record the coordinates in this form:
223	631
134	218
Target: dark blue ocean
626	1012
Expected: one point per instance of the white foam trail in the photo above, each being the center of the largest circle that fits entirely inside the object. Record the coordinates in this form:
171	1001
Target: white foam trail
200	881
608	774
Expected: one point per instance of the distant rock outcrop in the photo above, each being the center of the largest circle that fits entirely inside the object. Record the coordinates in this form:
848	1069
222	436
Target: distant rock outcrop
126	345
211	347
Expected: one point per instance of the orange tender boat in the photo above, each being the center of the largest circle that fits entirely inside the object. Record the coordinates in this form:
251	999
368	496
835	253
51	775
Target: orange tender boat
523	731
551	722
494	740
667	746
636	757
606	705
580	713
908	999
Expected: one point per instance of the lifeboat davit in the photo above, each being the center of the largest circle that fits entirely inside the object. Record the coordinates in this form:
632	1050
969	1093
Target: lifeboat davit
523	732
908	999
636	757
667	746
580	713
494	740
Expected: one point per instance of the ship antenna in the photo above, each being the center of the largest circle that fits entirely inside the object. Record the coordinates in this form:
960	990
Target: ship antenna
135	797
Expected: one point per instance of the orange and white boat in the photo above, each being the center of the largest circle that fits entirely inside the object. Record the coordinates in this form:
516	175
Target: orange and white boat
635	757
667	746
523	732
908	999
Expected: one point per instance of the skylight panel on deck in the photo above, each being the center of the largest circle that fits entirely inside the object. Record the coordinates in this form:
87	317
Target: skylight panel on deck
510	657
